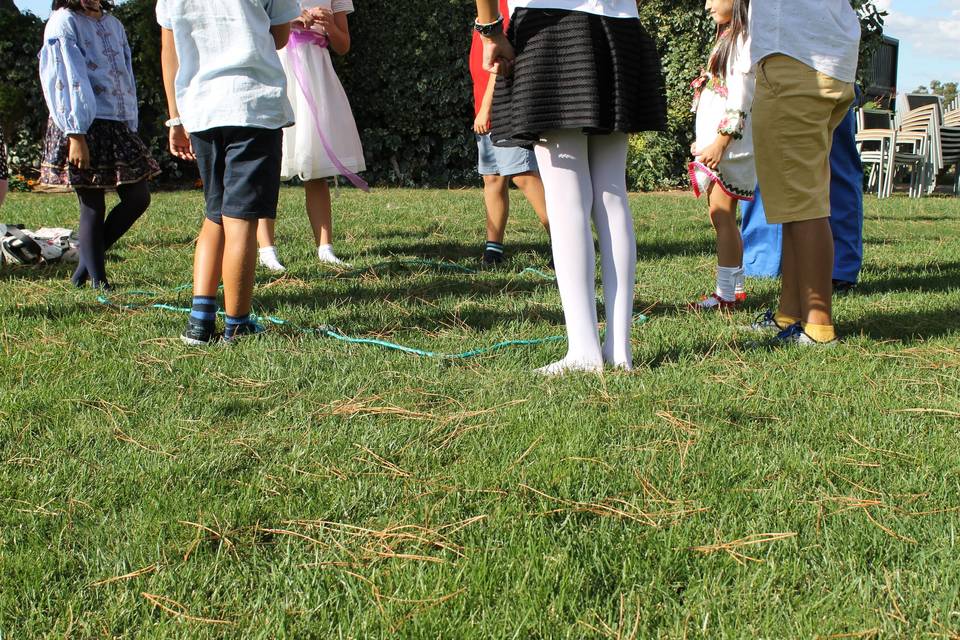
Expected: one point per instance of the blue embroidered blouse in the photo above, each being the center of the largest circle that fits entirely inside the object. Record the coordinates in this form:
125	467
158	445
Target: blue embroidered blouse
87	72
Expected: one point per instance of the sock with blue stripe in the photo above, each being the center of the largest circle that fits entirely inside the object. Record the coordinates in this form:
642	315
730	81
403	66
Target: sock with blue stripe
204	309
234	323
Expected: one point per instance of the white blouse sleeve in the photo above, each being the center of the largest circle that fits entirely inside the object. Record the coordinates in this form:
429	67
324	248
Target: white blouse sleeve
741	85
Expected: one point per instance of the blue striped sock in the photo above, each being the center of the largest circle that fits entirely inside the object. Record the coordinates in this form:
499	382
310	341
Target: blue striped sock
204	309
236	321
496	247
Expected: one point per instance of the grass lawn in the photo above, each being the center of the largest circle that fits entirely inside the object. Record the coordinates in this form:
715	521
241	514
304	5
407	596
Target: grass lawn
299	487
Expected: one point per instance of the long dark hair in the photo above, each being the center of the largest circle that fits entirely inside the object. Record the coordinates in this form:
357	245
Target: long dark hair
76	5
728	35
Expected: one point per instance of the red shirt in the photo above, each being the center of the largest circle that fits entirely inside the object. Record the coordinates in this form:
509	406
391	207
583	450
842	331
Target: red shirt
481	77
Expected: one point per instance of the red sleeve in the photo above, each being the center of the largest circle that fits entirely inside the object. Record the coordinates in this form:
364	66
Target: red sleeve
479	76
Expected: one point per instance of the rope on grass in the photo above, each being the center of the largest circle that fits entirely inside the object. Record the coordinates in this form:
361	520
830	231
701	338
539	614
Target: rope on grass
327	331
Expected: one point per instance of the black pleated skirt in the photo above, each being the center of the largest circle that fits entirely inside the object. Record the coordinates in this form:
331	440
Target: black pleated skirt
577	70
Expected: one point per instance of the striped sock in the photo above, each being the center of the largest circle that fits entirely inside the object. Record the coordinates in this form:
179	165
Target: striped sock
495	247
234	322
204	309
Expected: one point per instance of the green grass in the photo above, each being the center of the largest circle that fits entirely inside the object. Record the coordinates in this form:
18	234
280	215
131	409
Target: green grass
295	486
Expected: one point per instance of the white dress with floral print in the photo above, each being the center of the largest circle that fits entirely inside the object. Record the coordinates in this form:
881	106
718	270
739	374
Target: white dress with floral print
723	105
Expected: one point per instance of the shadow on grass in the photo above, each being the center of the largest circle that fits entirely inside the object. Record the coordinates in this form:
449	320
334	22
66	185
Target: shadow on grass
909	325
448	250
59	271
941	277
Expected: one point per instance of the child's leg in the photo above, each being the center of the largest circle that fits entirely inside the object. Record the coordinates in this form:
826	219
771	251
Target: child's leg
319	210
565	169
531	186
812	244
496	198
134	201
92	250
723	216
267	233
208	260
239	262
3	191
618	245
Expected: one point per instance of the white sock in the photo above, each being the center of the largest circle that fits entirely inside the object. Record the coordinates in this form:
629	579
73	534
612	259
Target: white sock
740	287
727	283
326	254
269	259
583	175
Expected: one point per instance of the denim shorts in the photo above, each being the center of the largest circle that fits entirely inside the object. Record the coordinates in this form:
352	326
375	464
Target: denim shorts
503	161
240	170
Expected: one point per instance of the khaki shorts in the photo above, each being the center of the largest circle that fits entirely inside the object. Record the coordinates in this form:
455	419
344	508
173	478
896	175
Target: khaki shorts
795	112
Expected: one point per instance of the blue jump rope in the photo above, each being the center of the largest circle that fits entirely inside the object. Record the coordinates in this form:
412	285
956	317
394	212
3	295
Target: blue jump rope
326	331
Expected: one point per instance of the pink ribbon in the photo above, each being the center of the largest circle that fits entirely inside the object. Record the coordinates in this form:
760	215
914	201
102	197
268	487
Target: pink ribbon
308	37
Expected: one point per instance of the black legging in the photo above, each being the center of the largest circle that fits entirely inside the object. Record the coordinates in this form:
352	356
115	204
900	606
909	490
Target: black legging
97	235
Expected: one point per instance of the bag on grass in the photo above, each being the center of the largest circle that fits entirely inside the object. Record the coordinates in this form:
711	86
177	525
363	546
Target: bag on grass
19	246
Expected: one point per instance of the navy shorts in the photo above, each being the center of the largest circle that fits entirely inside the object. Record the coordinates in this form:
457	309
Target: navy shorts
240	170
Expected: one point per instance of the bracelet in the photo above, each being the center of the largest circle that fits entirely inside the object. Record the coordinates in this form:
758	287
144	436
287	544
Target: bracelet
173	122
489	28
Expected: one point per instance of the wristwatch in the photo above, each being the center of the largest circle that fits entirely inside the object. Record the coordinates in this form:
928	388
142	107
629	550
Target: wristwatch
489	29
173	122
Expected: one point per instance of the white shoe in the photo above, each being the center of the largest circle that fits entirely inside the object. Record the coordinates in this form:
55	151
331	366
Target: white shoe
268	259
561	367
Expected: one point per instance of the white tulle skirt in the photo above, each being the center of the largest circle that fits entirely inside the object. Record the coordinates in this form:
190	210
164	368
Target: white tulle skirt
303	152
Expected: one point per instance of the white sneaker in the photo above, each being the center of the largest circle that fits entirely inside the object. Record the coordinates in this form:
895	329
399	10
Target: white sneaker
268	259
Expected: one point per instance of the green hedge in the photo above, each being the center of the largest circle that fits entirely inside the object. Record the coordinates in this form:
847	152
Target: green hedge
408	81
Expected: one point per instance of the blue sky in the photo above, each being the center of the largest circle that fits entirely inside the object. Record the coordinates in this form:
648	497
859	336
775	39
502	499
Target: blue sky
928	30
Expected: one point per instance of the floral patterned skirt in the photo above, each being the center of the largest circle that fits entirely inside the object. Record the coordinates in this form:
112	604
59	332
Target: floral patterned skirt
117	156
4	172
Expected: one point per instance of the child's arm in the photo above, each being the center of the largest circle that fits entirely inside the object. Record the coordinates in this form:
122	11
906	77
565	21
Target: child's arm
335	25
281	34
741	84
69	95
482	124
180	145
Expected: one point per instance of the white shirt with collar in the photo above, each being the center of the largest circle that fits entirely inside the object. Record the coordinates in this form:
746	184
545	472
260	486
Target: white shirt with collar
822	34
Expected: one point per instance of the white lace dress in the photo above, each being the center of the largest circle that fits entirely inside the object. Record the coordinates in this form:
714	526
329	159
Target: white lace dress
303	153
723	105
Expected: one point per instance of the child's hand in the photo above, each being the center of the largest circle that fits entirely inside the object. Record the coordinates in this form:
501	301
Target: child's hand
78	154
322	18
712	154
180	145
498	55
481	125
305	20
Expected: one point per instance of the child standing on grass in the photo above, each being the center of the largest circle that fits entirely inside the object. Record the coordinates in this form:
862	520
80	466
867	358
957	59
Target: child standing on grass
806	52
227	98
579	75
723	165
325	141
91	144
498	166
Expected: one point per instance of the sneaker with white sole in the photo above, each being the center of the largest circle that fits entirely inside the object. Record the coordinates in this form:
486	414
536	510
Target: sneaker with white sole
712	302
795	335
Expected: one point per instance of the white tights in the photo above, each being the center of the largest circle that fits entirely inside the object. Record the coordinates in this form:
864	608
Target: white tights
584	175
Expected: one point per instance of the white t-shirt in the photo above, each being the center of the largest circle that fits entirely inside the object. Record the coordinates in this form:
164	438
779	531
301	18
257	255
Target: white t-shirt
823	34
609	8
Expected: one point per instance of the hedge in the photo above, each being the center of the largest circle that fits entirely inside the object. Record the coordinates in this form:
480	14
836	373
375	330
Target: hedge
408	82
